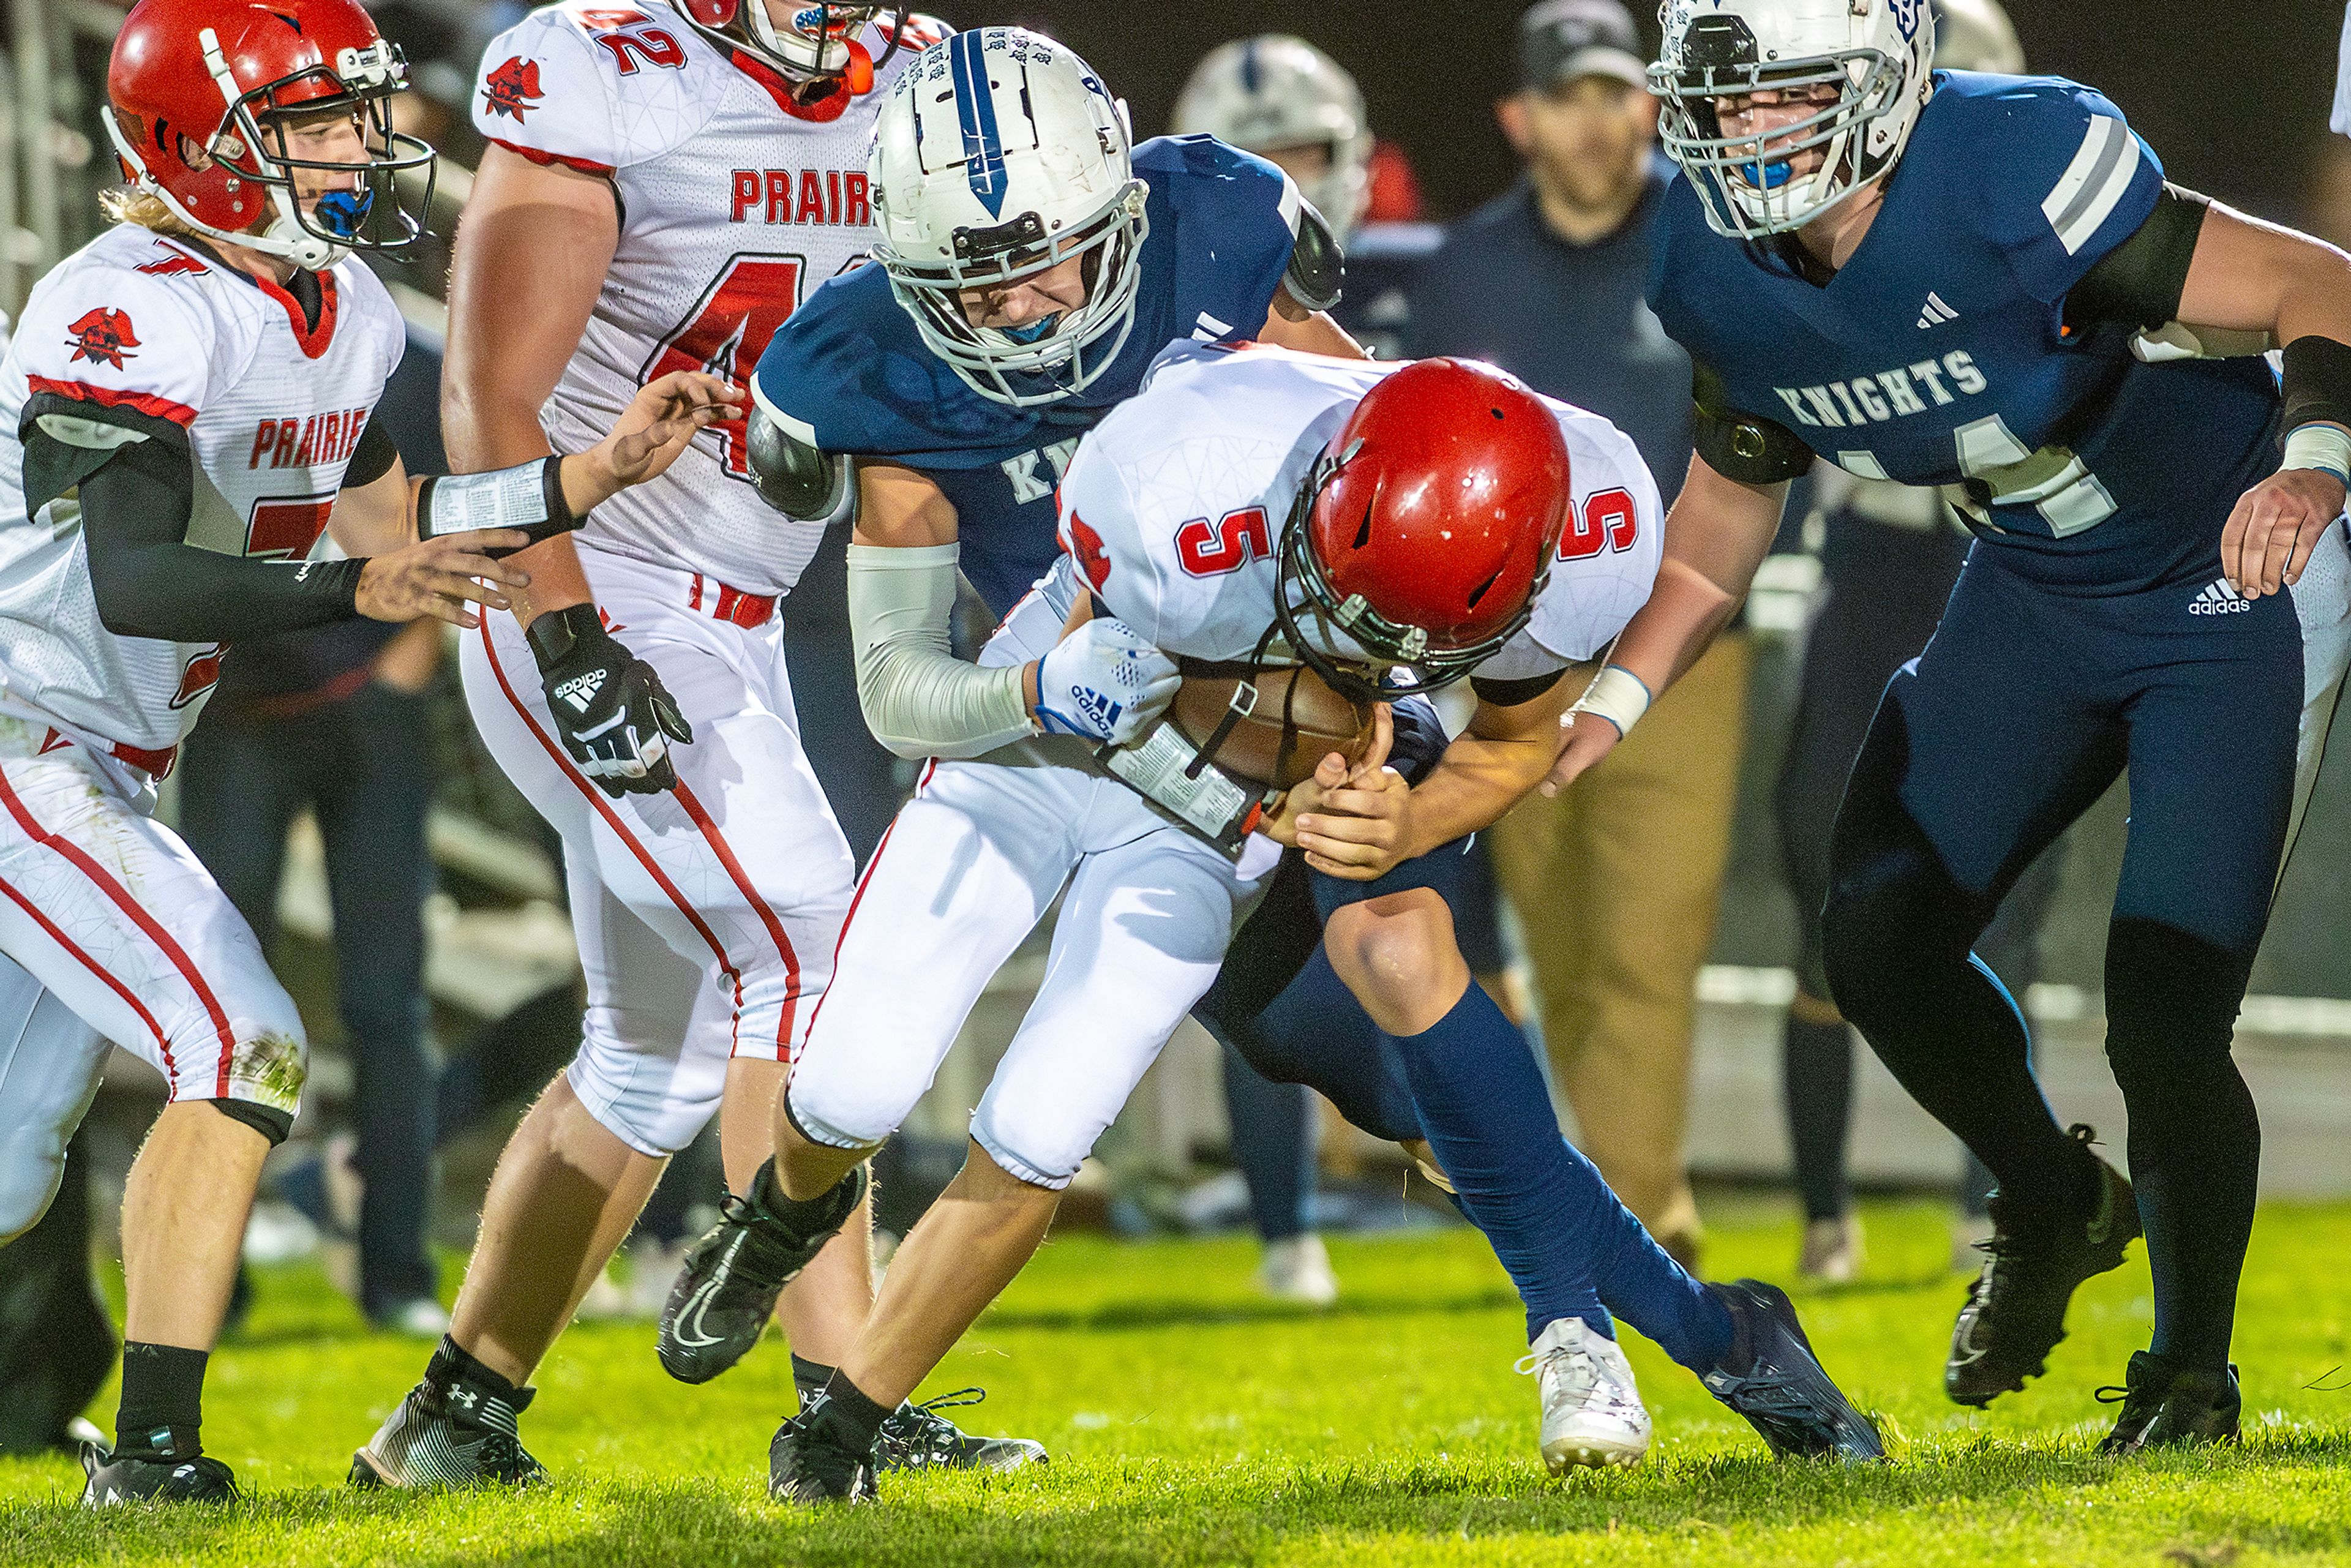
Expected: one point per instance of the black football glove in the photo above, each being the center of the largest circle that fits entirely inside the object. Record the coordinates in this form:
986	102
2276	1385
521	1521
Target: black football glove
610	707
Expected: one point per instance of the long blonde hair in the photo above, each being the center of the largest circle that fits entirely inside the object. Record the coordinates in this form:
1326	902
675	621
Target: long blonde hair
129	204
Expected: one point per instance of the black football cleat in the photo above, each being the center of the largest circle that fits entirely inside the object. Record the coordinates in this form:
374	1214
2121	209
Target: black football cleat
2015	1310
726	1289
814	1459
2166	1404
462	1435
163	1479
1772	1377
917	1438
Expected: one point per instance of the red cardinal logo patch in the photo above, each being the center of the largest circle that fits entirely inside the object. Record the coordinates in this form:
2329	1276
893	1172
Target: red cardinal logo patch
1087	545
512	88
102	336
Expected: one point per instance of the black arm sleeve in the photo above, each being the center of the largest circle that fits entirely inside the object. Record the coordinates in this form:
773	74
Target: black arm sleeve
2138	283
1511	693
151	582
373	459
1741	446
1317	268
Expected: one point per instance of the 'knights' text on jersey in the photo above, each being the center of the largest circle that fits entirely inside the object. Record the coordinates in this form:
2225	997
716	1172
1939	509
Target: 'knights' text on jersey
1939	354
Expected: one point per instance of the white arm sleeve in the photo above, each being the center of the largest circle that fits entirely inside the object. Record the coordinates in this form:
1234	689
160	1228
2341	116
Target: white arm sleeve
920	700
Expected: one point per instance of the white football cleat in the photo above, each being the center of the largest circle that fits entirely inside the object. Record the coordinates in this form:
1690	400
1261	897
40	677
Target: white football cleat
1592	1412
1833	1250
1298	1269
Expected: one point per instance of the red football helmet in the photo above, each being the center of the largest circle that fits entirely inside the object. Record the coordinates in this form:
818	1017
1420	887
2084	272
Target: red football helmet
200	92
815	41
1427	526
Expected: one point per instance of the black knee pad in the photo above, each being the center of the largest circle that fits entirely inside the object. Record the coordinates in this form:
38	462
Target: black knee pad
267	1119
2171	1005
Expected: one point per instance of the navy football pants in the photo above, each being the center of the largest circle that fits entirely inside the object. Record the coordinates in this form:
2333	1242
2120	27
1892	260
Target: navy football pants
2021	711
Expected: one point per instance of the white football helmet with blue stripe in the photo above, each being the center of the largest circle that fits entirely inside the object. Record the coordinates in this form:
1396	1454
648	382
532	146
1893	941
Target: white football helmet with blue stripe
1272	93
1877	54
1000	155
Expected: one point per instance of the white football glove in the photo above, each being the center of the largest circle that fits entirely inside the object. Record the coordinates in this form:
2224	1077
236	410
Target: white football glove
1104	681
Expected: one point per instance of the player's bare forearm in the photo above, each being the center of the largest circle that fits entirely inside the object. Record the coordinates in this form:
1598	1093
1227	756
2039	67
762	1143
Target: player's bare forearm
1373	823
1481	778
1717	534
1291	325
1715	537
529	261
377	517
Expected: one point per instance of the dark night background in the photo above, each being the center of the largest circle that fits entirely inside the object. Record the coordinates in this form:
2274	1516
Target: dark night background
2233	96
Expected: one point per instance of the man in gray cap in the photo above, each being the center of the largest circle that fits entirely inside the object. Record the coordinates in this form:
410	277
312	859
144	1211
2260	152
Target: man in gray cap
1615	881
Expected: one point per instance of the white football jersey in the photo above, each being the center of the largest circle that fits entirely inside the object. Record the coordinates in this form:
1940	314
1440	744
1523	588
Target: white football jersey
273	412
1172	508
735	203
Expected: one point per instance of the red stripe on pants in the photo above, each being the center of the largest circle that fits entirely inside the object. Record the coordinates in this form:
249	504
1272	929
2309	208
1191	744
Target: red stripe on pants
121	899
612	820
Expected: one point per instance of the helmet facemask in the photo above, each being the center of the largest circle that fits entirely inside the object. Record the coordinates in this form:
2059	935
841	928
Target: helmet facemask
814	42
1399	660
1023	367
365	206
1749	185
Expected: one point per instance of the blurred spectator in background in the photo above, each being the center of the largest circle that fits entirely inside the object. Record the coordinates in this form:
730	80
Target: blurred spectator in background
1888	556
333	720
1616	879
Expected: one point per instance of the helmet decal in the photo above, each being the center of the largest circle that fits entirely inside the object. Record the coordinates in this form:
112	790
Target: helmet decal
983	146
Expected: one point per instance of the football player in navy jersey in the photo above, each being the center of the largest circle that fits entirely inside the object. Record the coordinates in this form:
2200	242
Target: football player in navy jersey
1985	283
1029	270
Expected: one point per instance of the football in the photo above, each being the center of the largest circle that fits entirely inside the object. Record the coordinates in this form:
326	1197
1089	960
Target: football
1298	720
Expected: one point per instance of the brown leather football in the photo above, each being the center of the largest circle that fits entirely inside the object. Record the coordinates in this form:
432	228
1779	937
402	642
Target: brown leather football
1297	722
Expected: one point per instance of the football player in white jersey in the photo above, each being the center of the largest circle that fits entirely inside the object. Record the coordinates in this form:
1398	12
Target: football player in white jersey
185	410
1257	510
662	188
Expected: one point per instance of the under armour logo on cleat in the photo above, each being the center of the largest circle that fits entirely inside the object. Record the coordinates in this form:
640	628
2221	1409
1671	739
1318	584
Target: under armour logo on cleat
581	690
464	1396
1936	313
2219	597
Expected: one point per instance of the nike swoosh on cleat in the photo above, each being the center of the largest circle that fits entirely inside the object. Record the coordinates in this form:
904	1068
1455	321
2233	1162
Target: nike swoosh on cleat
695	1305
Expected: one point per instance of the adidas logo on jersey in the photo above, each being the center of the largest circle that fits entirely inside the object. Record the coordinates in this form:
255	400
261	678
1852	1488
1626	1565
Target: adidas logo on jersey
581	690
2219	597
1936	313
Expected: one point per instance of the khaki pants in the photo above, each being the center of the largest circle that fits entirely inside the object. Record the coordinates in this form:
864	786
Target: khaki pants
1617	883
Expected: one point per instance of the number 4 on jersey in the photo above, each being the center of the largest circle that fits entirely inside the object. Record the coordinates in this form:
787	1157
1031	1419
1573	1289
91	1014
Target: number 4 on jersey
727	330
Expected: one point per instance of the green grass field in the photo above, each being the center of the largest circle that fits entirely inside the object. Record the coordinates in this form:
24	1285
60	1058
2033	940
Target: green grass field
1192	1424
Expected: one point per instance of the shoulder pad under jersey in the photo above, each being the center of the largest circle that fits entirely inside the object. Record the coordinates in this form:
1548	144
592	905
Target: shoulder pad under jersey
596	88
1318	267
795	476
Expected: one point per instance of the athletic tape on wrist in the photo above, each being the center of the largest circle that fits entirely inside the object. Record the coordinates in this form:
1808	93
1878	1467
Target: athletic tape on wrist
529	495
2324	447
1616	694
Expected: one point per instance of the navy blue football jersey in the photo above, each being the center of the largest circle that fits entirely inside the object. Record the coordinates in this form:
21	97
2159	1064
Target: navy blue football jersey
850	364
1938	354
1383	262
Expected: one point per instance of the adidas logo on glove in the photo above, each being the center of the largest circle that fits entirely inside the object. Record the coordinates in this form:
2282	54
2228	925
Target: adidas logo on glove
581	690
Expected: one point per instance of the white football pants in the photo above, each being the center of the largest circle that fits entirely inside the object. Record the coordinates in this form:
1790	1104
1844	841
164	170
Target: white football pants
706	915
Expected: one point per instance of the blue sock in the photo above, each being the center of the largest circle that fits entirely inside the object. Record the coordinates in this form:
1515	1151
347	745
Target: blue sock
1567	1241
